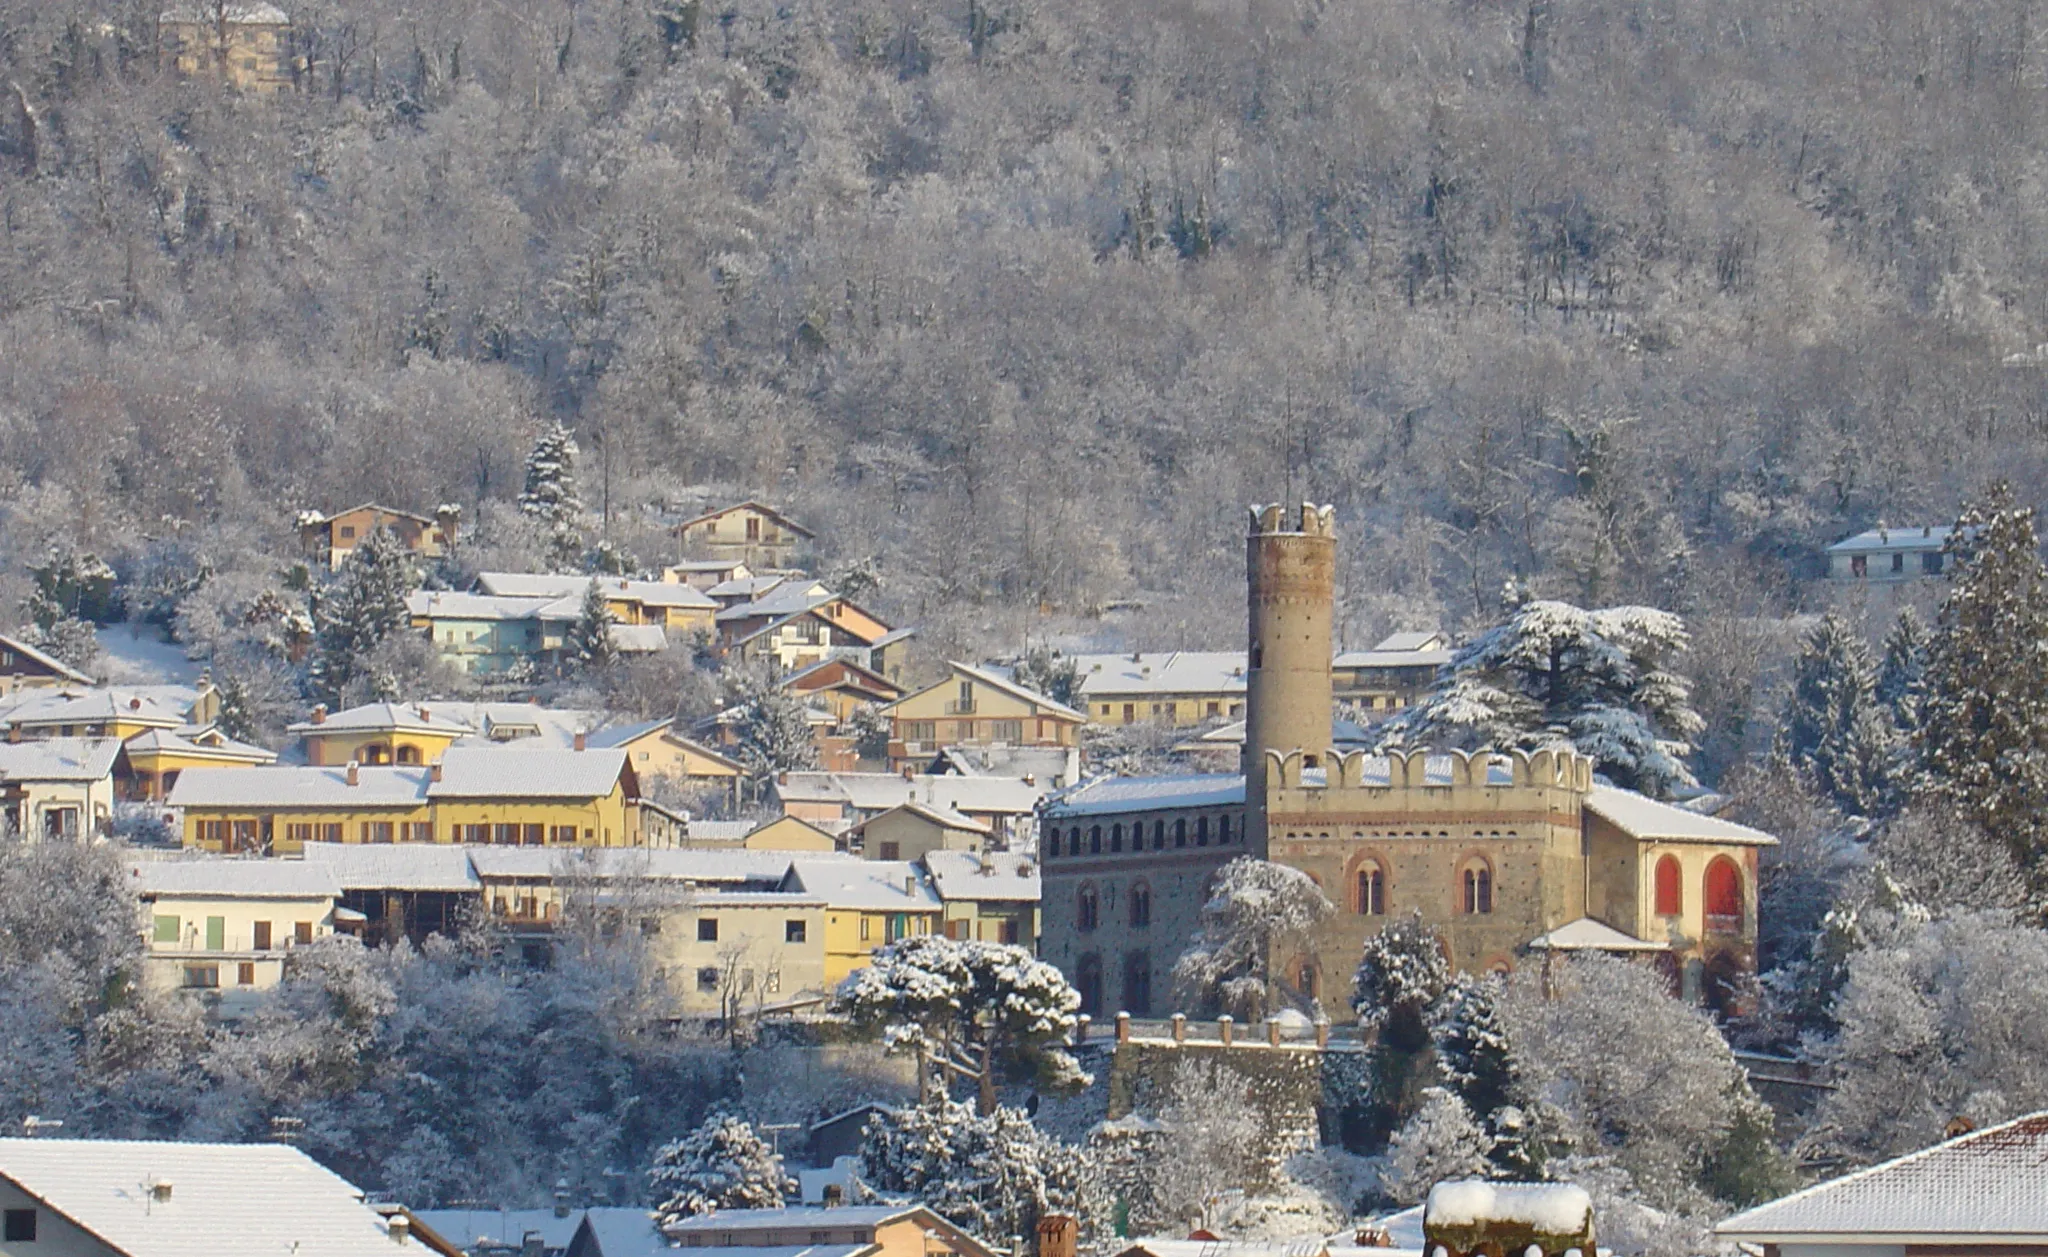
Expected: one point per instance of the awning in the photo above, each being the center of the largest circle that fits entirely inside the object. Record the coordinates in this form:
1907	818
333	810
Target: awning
1586	934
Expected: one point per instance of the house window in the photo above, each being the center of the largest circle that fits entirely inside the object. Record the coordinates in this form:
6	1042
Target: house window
348	532
707	978
892	850
753	528
299	833
1202	831
20	1226
330	832
1372	891
707	929
1214	710
1086	910
167	929
1008	730
245	974
1116	837
1095	840
1723	897
562	834
504	835
302	932
418	831
1478	888
863	929
202	977
920	730
1074	841
1180	832
1859	565
1670	887
1141	906
260	936
216	933
1130	713
1088	983
1305	978
533	835
1158	835
1930	563
795	931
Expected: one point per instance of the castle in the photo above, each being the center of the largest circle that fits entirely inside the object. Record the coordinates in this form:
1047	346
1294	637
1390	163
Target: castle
1508	856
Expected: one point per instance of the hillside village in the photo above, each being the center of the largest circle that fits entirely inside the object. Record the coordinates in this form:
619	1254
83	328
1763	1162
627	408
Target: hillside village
1022	628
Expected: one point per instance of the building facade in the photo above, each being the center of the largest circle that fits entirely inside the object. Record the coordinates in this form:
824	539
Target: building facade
745	532
329	539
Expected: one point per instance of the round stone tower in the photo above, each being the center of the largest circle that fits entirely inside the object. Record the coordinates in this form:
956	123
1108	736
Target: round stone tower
1291	568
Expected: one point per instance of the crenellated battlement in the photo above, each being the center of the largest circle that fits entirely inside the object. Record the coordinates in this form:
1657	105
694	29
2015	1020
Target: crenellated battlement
1308	520
1378	775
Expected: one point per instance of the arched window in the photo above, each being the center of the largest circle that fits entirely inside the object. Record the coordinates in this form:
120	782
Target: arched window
1670	887
1478	888
1087	910
1138	983
408	755
1095	840
1305	978
1088	983
1074	841
1201	831
1724	896
1180	832
1223	830
1372	890
1116	837
1141	906
1158	835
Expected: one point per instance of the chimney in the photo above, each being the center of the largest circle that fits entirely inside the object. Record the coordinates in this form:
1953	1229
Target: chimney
532	1245
1030	780
354	776
1057	1233
434	771
160	1189
582	740
134	704
400	1228
910	884
319	713
561	1197
835	1196
909	772
425	715
14	733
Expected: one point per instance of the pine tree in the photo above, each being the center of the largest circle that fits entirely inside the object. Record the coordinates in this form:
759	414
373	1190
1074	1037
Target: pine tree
722	1164
993	1176
589	639
1472	1044
1442	1141
1902	676
72	590
1401	976
774	727
1984	732
1048	672
1256	909
359	611
549	495
1835	728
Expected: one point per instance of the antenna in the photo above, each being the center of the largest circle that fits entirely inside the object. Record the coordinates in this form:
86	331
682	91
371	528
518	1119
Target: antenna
31	1126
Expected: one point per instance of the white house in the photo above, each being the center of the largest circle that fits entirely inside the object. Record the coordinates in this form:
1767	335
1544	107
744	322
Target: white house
1982	1192
136	1198
58	788
221	928
1889	554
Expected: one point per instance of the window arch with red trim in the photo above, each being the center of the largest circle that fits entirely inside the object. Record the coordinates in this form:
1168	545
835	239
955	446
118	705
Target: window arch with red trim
1723	896
1670	887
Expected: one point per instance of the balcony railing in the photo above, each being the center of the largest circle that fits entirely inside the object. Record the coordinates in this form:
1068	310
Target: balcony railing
960	707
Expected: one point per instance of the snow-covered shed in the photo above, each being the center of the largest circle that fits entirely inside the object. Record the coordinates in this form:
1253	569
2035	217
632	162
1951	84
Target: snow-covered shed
1467	1217
1982	1192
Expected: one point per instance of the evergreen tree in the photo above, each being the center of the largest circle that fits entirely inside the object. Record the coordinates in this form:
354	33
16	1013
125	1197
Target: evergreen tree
1984	732
1048	672
589	640
1835	728
1472	1044
1600	682
1902	676
359	611
1441	1141
1257	909
871	731
774	727
994	1176
723	1164
549	495
72	590
1401	976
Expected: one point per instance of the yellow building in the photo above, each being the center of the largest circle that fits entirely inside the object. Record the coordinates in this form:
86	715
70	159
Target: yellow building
246	46
23	667
749	532
910	830
676	606
868	904
219	927
656	749
378	733
150	763
329	539
729	953
483	795
1175	687
992	897
856	1231
120	714
972	707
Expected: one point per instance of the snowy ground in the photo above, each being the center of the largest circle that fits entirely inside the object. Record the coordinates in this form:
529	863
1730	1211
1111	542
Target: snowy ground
137	654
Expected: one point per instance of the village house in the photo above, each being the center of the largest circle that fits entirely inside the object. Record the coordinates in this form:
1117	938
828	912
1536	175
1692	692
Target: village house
1882	555
145	1198
706	574
243	45
1978	1192
407	890
836	802
781	833
480	635
1501	854
58	789
1177	687
678	608
508	796
991	896
378	733
1393	674
755	534
972	707
328	540
162	730
150	762
728	953
895	1230
796	624
221	928
868	904
910	830
657	750
23	667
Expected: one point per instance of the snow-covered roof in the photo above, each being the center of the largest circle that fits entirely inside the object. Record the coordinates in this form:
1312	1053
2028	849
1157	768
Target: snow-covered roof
1586	934
760	508
1552	1208
745	587
886	885
620	1232
877	792
300	786
1641	817
98	707
387	718
653	864
1392	658
1150	1246
200	743
49	661
942	816
616	588
196	1200
464	1228
1343	733
965	876
441	604
1988	1187
1006	685
741	1220
638	639
720	831
783	598
257	15
1162	672
213	878
416	866
1109	795
58	759
1412	640
1925	537
526	773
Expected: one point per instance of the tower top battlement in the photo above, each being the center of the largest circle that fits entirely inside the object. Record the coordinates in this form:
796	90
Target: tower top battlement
1308	520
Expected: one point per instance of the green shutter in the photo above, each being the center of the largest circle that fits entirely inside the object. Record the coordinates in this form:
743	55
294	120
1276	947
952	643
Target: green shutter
216	933
167	929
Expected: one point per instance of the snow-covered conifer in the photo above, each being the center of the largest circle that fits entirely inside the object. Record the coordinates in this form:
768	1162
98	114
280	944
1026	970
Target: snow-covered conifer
723	1164
1984	730
1835	728
774	728
1472	1044
993	1175
1601	682
1441	1141
359	611
589	639
1401	976
549	495
1902	673
1255	907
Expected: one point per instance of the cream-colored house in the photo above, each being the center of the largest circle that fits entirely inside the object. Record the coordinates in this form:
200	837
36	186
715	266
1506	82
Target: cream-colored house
729	953
973	707
749	531
59	789
992	896
219	928
910	830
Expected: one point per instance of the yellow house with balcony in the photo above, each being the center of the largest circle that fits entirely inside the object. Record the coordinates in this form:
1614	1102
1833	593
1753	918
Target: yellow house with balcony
378	733
868	904
151	763
483	795
973	707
